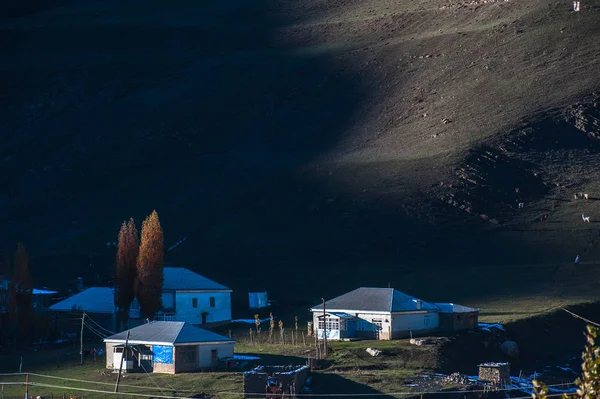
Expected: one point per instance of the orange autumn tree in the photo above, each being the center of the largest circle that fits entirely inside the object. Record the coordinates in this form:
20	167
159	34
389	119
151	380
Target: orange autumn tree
126	270
148	288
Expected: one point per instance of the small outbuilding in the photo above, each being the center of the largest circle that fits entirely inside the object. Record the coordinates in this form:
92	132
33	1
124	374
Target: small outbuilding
455	317
257	299
497	373
167	347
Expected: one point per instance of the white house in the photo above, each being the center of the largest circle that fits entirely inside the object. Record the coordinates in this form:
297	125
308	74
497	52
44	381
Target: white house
167	347
186	296
374	313
386	313
190	297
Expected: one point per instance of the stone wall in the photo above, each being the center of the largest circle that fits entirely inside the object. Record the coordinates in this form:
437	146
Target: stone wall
498	373
290	379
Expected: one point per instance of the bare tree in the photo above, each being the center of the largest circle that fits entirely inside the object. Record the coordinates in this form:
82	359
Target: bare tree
148	288
126	270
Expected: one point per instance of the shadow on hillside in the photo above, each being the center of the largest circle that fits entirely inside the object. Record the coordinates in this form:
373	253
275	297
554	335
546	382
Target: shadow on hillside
337	385
20	8
216	114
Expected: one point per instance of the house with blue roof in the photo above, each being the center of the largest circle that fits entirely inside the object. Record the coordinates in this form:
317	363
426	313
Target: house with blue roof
379	313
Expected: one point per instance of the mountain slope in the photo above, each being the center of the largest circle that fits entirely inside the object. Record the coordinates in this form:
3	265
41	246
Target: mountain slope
277	135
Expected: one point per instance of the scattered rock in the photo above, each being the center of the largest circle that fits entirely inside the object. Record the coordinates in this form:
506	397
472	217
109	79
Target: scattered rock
445	121
373	352
456	378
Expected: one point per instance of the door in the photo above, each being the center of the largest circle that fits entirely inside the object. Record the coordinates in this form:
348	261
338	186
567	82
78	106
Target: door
377	327
204	317
213	357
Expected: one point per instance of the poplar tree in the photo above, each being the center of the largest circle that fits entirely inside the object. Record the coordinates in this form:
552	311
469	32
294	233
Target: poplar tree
150	267
126	270
22	292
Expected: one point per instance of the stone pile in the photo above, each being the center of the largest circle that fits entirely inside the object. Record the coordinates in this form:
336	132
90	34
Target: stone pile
456	378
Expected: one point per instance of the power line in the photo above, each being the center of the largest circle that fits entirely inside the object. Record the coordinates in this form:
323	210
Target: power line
262	393
148	374
92	382
106	392
99	334
98	324
582	318
306	395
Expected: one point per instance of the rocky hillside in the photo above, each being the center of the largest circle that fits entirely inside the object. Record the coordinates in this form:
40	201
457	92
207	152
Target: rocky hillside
295	136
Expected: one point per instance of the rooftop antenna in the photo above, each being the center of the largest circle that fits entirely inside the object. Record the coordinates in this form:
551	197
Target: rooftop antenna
389	285
172	247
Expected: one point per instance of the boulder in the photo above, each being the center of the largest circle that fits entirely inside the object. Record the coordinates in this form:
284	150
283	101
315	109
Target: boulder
373	352
510	348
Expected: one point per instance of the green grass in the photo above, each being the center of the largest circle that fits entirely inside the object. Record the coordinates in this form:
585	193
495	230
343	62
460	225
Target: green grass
348	369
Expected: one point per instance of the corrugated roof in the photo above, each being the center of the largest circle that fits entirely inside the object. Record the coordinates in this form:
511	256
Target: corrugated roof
453	308
169	332
92	300
376	300
179	278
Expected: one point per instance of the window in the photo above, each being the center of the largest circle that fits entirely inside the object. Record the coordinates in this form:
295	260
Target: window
330	324
194	302
212	301
377	325
213	355
427	321
187	354
165	317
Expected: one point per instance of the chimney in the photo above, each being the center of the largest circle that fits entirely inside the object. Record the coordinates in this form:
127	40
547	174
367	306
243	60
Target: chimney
419	304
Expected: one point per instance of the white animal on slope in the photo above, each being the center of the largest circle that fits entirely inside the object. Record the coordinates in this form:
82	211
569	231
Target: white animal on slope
586	219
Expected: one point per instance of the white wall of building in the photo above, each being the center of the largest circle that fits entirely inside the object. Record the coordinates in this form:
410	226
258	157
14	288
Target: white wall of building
168	299
184	305
224	350
415	321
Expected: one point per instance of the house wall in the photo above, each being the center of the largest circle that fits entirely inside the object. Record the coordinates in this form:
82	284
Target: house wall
459	321
180	365
404	323
167	368
109	355
186	312
364	327
224	350
168	299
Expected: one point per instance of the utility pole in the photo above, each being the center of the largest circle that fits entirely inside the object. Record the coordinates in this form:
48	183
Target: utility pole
121	366
81	337
324	331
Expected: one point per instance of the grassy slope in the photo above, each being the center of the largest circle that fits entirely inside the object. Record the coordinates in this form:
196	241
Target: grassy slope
349	369
292	132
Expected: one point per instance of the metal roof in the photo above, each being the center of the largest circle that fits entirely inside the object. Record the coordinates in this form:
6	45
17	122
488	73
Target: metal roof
92	300
101	299
366	299
168	332
454	308
180	279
